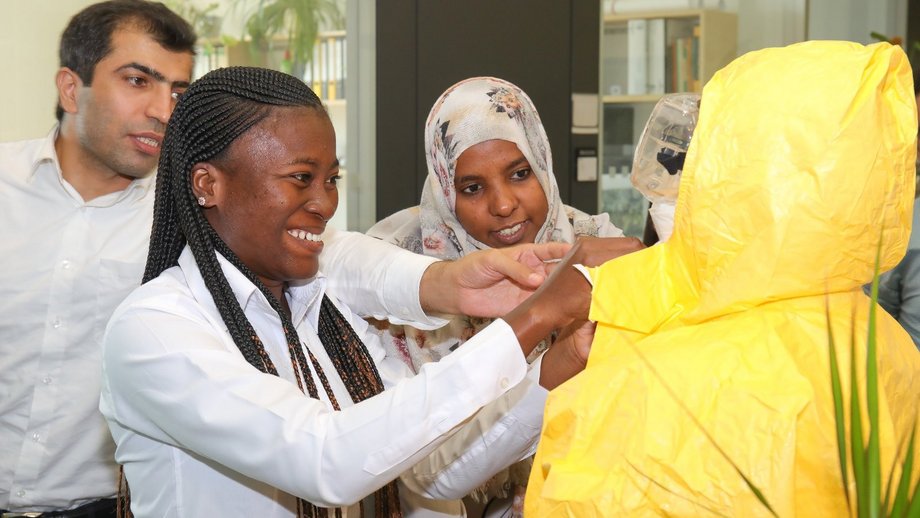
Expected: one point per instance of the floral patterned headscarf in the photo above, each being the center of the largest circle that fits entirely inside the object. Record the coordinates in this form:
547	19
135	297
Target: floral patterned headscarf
470	112
473	111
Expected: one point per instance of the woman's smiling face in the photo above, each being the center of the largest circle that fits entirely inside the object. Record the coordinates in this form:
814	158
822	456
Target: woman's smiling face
499	200
273	192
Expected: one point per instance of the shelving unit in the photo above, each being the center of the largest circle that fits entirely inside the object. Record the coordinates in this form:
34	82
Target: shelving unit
643	56
325	73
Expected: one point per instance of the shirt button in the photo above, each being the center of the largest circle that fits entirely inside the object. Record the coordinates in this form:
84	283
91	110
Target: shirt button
65	264
57	323
21	493
46	380
36	436
504	383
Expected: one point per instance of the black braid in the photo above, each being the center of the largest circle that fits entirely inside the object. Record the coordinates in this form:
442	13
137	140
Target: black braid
212	114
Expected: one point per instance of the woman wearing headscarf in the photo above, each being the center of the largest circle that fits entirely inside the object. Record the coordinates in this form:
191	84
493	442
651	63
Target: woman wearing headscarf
490	184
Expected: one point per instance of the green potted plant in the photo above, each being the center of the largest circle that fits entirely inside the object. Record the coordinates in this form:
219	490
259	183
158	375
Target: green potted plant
291	26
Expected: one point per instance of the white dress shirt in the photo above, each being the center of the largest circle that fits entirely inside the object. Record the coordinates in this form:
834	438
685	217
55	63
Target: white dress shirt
66	264
203	433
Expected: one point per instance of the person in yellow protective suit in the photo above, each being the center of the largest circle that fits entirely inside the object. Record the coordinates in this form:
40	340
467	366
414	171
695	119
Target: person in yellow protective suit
802	160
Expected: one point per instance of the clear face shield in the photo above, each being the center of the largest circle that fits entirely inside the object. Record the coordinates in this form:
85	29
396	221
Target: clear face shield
663	145
660	153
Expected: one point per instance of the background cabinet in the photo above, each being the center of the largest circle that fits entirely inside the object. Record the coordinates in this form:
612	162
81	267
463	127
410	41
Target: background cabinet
642	57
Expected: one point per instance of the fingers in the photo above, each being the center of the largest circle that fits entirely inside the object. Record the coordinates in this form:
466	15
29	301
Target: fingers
525	264
596	251
550	251
583	337
516	271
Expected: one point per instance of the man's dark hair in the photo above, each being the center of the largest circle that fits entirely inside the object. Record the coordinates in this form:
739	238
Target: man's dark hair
88	37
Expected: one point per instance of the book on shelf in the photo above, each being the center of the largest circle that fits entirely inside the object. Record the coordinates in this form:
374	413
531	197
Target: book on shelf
655	68
696	84
637	59
684	65
326	73
333	60
339	46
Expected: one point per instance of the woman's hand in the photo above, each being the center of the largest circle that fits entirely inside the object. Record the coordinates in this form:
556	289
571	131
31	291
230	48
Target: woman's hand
568	355
488	283
565	297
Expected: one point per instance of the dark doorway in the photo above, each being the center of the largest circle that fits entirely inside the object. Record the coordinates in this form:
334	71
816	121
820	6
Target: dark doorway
547	47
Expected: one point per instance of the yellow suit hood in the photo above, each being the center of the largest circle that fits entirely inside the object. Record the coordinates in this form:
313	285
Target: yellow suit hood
802	161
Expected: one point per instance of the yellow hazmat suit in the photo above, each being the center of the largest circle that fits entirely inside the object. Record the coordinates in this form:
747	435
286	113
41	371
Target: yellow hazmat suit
802	160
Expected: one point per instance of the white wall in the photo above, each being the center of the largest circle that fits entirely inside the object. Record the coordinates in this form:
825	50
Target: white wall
768	23
29	35
855	19
771	23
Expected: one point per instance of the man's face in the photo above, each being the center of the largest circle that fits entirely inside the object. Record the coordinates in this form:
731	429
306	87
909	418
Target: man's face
120	118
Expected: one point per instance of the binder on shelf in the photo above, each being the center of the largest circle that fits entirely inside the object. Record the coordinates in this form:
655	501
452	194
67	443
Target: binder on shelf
681	66
338	50
308	74
333	58
656	57
343	48
696	84
637	60
317	65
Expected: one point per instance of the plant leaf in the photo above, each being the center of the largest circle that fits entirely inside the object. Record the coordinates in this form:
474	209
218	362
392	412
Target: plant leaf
839	416
878	36
913	511
873	459
857	453
900	499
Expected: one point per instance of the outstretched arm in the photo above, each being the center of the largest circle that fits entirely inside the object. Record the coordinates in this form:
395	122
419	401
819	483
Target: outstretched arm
562	302
488	283
381	280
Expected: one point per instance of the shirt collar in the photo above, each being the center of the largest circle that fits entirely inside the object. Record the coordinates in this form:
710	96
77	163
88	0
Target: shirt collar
46	153
303	296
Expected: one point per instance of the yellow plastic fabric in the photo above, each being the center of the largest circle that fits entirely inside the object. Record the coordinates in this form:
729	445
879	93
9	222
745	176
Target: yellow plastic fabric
802	160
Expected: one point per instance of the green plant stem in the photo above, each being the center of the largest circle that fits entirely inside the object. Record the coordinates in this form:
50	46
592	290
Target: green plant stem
900	499
857	453
873	458
839	416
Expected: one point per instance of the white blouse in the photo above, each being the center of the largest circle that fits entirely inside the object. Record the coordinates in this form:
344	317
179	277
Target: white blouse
203	433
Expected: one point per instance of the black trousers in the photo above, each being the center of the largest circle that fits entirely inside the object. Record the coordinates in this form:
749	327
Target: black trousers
104	508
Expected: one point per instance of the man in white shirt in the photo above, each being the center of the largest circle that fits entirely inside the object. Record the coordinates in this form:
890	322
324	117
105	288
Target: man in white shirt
75	216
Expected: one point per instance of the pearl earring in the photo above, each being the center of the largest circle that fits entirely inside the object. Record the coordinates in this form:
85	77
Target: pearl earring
201	201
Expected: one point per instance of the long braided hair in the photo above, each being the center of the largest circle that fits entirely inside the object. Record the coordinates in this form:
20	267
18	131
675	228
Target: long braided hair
212	114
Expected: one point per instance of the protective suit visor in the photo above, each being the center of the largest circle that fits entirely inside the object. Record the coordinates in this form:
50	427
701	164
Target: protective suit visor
662	147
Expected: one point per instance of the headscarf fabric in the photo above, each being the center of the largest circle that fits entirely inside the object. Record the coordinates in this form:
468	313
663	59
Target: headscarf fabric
470	112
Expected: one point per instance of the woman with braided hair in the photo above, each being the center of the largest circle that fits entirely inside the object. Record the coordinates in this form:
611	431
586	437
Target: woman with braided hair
235	385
